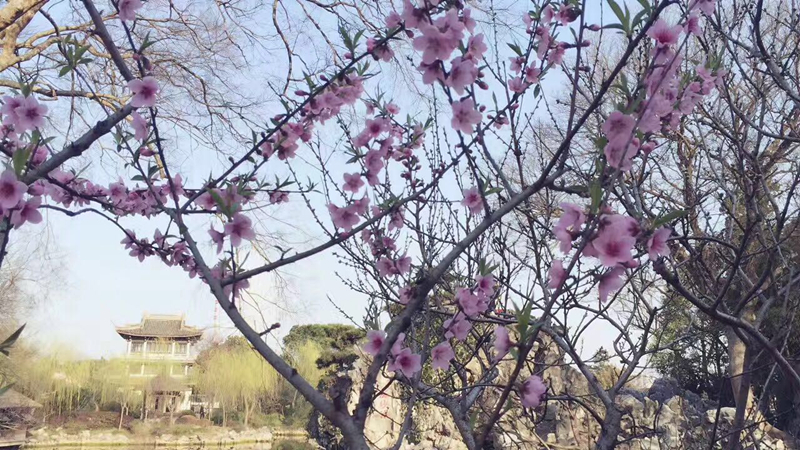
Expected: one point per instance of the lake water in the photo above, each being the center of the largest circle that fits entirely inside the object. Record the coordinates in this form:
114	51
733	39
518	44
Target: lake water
280	444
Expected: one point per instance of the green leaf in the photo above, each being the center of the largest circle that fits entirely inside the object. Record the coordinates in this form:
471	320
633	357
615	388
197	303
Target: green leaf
600	142
670	217
5	388
615	26
11	340
516	49
220	203
639	18
596	192
65	70
20	158
617	11
494	190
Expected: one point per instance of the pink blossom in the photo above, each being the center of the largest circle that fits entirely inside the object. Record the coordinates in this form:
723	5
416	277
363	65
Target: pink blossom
532	391
502	342
217	237
611	282
9	110
393	20
431	73
476	47
472	200
278	197
467	20
516	85
485	284
618	126
564	16
463	73
457	327
30	115
471	304
657	244
556	275
664	34
707	6
396	220
547	14
375	340
516	63
385	267
465	116
620	152
613	247
39	155
692	25
406	292
239	228
128	8
206	200
379	52
397	347
623	224
568	224
11	190
544	41
556	57
406	362
144	92
353	182
441	355
412	16
28	212
373	161
344	218
360	206
139	126
403	264
532	74
434	45
392	109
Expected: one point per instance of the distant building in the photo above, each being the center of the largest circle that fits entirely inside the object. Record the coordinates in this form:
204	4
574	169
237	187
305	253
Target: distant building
161	353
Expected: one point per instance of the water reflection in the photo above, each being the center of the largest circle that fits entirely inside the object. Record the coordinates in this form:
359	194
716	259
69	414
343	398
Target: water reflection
280	444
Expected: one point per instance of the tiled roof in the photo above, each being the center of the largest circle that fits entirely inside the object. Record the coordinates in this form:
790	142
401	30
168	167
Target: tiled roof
13	399
160	326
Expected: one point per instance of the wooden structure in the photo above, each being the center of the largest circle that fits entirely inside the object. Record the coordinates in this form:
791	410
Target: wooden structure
161	358
16	413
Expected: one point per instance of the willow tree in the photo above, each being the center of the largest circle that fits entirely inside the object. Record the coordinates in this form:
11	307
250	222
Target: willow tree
233	374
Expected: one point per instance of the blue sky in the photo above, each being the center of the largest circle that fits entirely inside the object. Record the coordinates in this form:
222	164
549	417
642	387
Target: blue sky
97	285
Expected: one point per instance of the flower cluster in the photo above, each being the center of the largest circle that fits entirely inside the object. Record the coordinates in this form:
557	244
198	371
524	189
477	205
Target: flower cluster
612	245
666	100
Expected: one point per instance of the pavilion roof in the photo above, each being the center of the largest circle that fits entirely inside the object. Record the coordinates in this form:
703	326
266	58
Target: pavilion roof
160	326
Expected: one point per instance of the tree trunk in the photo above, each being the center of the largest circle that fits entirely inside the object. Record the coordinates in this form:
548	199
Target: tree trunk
121	415
737	350
610	429
742	393
246	412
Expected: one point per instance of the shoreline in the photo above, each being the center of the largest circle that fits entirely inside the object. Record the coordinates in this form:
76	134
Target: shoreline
46	438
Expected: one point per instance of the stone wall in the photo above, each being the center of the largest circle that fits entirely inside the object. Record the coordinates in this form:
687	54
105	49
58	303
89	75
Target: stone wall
201	437
658	414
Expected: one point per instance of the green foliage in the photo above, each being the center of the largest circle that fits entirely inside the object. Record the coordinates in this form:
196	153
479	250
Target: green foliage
335	341
236	376
698	360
